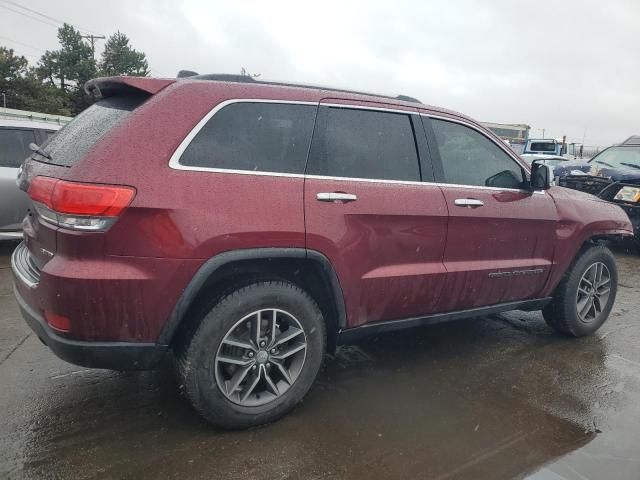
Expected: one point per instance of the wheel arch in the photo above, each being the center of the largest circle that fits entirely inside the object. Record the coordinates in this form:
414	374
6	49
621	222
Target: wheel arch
309	269
574	248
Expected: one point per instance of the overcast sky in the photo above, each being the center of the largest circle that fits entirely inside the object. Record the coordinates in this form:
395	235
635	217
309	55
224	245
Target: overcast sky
571	67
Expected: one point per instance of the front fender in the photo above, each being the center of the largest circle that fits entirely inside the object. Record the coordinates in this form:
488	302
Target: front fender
581	218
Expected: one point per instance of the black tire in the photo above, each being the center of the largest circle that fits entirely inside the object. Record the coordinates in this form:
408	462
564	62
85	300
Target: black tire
562	312
197	364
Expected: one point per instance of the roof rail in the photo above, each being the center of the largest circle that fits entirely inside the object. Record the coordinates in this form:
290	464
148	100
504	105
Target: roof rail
228	77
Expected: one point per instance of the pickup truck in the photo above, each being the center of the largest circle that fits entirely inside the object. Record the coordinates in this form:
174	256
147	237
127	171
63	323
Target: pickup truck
551	146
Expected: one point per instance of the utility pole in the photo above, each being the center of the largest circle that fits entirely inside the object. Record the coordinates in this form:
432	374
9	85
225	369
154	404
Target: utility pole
4	100
92	38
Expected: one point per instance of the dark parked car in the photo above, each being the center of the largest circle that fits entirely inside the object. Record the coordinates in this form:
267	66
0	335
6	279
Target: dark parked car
613	175
248	227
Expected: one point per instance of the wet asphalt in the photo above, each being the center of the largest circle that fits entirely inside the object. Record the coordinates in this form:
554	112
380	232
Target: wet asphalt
486	398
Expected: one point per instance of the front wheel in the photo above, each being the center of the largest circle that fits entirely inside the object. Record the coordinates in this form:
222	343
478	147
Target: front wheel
583	300
255	355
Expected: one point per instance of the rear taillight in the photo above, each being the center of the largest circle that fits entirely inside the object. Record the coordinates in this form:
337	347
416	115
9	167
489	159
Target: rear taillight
79	206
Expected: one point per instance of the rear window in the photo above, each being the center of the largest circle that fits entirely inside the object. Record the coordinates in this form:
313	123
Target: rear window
75	139
14	146
259	137
542	147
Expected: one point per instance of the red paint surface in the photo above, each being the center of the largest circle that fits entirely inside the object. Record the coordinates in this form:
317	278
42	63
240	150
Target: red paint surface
401	250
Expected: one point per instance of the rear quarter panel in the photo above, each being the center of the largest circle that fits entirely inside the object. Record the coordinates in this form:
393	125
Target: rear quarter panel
123	284
190	214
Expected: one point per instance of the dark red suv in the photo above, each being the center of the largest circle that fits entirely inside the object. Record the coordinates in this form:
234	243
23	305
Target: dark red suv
248	227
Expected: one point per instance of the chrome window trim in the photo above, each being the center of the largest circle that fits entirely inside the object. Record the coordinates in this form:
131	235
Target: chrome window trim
175	164
509	153
478	187
370	180
174	161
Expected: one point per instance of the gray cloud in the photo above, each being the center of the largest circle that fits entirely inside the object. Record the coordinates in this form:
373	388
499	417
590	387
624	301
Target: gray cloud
568	67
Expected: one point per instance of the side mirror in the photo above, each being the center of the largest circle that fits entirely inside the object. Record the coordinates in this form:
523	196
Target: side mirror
540	176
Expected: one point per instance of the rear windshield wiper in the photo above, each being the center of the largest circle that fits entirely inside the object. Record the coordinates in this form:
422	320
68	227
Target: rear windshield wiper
36	149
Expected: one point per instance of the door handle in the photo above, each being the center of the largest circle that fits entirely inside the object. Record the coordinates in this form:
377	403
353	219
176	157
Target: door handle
468	202
336	197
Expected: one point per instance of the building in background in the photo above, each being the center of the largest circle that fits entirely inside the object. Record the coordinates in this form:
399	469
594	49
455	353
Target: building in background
515	134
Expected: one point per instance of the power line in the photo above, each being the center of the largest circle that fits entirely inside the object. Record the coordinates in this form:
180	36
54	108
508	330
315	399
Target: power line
44	15
23	44
34	58
30	16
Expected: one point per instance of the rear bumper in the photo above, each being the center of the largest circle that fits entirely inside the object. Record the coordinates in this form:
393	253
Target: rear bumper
110	355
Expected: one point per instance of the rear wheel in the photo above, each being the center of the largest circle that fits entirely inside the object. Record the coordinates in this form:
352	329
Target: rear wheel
583	300
255	355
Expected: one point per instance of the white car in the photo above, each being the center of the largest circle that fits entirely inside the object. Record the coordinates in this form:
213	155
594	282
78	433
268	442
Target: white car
15	137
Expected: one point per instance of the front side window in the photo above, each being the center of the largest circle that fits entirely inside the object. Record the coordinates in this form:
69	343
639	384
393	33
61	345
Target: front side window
14	146
259	137
470	158
364	144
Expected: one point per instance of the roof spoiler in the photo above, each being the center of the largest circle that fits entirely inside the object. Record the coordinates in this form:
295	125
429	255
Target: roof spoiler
109	86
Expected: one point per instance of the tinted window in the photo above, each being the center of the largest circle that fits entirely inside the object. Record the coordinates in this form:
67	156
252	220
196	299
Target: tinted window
14	146
364	144
470	158
75	139
264	137
542	147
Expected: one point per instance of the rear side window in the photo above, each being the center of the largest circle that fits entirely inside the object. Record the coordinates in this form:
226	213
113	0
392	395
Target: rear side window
75	139
364	144
470	158
14	146
259	137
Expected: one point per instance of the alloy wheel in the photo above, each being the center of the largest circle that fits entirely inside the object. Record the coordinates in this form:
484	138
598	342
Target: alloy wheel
260	357
593	293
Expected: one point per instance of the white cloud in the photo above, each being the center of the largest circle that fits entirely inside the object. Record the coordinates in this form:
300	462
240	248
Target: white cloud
564	66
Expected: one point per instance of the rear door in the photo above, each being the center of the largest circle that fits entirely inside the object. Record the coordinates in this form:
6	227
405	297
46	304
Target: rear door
367	210
14	149
500	236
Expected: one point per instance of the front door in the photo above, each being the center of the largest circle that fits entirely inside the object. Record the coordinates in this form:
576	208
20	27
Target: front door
368	212
500	236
